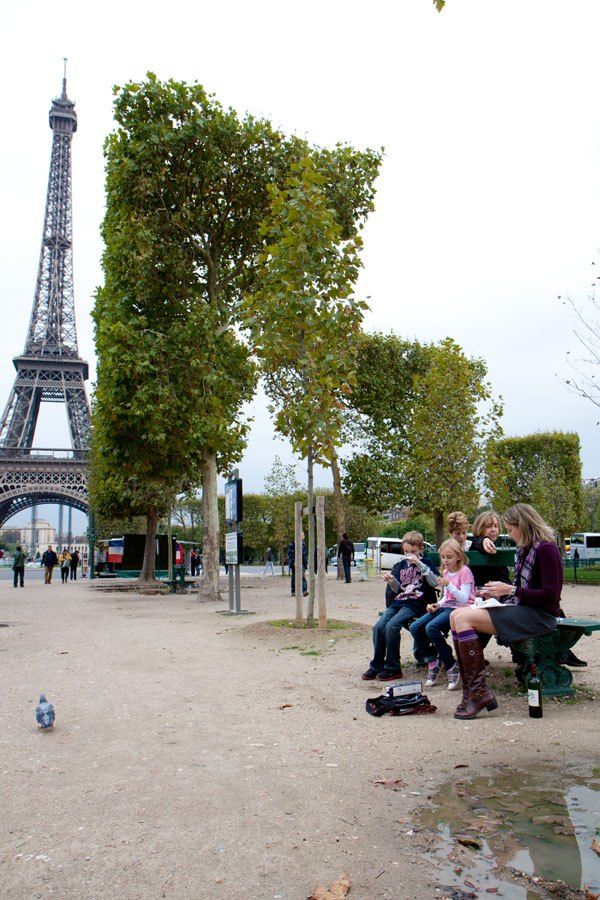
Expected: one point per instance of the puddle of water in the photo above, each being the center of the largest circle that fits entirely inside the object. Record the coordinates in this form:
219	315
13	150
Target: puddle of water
541	823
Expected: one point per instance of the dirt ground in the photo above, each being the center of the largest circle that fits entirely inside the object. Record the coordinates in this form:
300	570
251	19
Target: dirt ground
197	755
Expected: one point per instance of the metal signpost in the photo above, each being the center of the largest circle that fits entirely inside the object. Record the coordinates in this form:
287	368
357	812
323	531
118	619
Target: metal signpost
234	541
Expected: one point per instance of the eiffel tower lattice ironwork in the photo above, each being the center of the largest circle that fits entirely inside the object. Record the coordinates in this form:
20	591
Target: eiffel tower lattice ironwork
50	368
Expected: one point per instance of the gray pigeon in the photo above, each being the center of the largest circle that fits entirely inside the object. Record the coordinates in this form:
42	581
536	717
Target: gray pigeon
44	713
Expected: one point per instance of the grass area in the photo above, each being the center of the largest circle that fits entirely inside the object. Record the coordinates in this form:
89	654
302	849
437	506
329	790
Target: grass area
585	575
332	624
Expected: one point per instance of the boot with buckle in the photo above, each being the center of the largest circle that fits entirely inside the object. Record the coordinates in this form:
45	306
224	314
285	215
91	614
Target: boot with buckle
479	696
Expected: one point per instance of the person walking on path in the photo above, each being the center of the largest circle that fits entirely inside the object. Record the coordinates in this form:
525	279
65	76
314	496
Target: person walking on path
269	562
292	566
346	551
19	566
64	561
49	560
73	565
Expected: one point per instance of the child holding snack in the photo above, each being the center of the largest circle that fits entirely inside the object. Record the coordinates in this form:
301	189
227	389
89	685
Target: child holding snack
459	590
409	587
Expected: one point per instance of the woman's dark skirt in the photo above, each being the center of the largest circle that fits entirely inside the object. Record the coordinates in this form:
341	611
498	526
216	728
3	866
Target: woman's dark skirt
517	622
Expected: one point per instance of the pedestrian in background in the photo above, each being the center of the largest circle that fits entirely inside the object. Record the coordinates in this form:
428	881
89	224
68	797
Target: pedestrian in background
269	562
49	560
346	551
74	564
19	566
64	561
292	566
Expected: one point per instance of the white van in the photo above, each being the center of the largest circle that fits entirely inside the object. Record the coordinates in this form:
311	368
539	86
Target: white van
387	551
587	544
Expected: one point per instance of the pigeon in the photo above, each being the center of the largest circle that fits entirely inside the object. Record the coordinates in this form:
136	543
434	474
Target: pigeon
44	713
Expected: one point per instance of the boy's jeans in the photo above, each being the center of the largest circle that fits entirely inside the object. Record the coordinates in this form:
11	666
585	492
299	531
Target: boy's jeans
431	629
386	636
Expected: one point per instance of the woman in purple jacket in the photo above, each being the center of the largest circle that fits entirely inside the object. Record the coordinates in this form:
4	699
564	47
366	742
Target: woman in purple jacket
529	607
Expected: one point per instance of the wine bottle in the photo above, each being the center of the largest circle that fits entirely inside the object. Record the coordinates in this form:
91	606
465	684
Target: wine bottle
534	694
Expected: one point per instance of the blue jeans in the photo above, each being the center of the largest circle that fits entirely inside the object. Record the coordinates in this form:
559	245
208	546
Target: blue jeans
386	637
432	628
346	564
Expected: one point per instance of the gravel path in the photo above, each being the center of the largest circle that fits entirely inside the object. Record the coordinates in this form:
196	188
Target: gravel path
197	755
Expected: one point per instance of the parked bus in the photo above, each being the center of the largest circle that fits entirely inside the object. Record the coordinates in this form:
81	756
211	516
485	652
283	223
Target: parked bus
587	544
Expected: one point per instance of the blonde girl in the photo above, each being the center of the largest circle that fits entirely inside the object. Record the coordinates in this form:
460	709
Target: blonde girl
458	590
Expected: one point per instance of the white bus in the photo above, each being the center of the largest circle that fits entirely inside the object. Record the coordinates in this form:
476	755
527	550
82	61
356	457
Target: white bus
387	551
587	544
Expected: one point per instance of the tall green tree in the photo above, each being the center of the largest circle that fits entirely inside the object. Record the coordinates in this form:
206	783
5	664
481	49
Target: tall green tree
454	416
542	469
185	173
303	320
591	507
283	489
378	421
172	372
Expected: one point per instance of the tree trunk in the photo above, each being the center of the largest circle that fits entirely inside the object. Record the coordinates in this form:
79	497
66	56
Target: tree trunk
340	511
321	598
148	572
438	518
298	570
310	606
282	549
209	583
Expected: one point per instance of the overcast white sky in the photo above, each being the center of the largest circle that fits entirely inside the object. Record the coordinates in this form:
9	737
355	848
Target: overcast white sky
487	205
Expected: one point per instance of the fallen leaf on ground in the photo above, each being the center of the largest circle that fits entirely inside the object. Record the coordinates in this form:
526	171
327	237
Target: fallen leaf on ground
394	785
286	706
461	766
338	890
596	846
467	841
589	895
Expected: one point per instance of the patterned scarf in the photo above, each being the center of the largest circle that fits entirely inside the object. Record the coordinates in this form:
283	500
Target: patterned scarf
524	562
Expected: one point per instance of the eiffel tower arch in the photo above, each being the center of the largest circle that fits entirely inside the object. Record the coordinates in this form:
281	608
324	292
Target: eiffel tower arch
49	369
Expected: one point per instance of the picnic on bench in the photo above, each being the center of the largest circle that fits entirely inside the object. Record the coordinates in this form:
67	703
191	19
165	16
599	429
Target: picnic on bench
524	615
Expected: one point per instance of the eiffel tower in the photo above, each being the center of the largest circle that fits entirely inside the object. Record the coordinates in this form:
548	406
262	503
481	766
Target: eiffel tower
50	368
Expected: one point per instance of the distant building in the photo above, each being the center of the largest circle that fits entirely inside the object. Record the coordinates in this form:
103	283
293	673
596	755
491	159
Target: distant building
37	535
396	514
591	482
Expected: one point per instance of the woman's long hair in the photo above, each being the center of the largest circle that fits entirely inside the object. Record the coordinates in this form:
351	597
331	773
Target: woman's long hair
533	527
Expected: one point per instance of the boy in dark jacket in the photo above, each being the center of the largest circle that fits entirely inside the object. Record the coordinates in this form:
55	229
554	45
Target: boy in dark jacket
410	587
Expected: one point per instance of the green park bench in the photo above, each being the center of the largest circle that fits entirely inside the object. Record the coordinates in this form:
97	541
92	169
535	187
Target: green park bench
546	650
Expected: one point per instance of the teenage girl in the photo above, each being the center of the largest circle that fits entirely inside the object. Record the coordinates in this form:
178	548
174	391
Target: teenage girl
458	590
486	529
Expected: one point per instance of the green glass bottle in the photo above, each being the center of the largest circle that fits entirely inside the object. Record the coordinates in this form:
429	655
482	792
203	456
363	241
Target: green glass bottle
534	694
